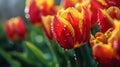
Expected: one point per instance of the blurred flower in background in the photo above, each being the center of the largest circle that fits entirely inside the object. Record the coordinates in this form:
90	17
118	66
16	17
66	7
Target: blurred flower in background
35	9
16	29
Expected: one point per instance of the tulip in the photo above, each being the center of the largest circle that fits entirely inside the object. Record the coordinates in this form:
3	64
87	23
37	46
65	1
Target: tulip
37	8
96	5
106	18
15	29
33	13
106	46
46	24
71	28
103	52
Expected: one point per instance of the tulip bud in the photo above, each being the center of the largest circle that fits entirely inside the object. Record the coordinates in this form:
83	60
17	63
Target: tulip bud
106	18
46	24
33	13
71	28
15	29
37	8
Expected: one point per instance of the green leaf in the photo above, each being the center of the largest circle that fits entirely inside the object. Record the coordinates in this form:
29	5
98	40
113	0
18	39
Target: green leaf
9	59
23	57
37	53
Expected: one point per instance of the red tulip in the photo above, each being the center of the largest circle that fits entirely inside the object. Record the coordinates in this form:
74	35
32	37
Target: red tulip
15	29
46	24
71	28
106	17
103	52
33	13
97	5
37	8
106	47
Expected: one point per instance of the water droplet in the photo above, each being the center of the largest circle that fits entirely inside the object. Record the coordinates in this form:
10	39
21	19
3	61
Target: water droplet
74	54
39	39
65	40
65	49
64	26
68	34
75	58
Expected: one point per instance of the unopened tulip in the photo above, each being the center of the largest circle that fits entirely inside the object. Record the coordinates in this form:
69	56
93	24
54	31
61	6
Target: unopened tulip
15	29
37	8
46	24
71	28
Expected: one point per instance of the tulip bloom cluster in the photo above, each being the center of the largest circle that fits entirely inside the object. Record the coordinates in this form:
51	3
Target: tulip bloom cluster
75	20
16	29
70	25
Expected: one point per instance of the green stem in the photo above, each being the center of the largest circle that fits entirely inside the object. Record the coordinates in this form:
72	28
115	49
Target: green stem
52	51
95	29
67	59
87	55
77	57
